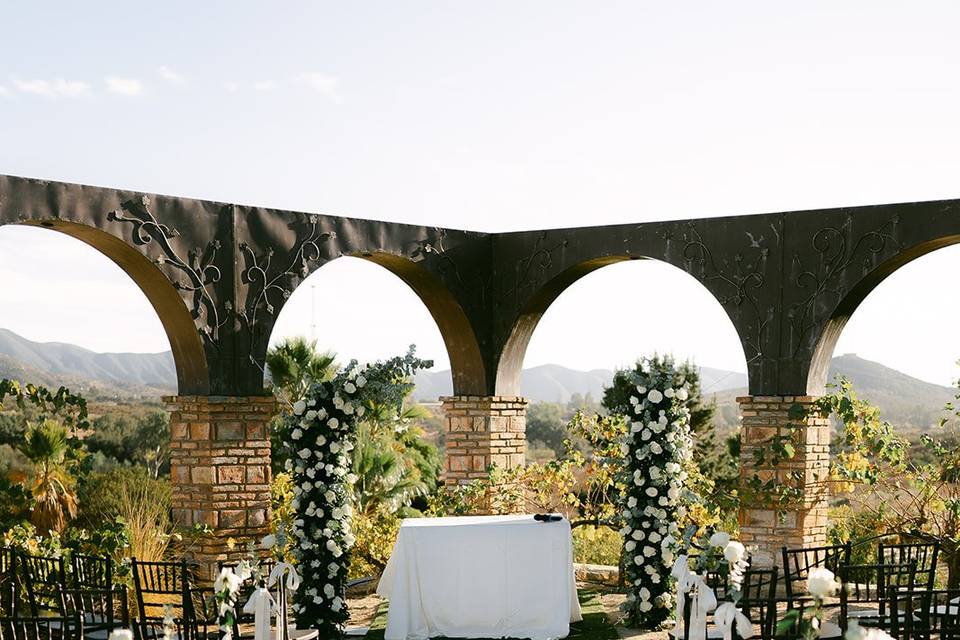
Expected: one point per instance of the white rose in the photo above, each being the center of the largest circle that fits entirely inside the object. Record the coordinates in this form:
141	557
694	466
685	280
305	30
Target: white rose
654	396
734	552
328	590
630	545
719	539
299	407
350	387
822	583
652	492
268	542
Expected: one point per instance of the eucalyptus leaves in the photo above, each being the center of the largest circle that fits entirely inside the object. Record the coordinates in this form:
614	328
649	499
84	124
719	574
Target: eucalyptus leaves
321	432
657	446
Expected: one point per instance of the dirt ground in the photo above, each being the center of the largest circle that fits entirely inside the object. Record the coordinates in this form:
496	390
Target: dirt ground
363	609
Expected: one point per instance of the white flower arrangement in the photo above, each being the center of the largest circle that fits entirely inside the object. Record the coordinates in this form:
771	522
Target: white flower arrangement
322	481
655	447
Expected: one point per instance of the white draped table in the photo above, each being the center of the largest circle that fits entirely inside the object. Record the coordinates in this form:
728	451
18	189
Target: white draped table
480	577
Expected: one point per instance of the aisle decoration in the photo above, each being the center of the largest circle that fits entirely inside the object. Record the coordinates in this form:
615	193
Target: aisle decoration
805	623
657	446
726	560
321	432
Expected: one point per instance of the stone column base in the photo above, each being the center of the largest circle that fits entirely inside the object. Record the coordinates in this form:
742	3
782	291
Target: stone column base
806	525
220	470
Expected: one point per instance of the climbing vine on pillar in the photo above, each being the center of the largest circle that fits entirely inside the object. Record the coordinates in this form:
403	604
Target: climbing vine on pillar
657	447
322	428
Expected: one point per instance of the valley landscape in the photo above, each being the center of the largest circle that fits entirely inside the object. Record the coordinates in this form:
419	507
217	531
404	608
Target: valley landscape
130	377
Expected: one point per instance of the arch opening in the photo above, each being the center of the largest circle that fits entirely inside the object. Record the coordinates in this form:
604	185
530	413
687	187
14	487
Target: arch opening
443	334
174	318
624	288
897	286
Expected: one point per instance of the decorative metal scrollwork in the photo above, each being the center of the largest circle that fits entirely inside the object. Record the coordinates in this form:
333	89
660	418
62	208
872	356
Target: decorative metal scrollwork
267	283
836	252
199	272
735	283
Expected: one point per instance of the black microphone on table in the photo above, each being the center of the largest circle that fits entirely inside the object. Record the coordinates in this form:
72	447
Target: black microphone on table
547	517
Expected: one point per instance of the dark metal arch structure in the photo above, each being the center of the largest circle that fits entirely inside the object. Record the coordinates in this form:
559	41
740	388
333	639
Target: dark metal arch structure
788	281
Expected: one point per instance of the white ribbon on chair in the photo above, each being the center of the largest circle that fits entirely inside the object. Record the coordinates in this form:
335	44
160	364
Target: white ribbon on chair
702	600
724	618
262	605
292	584
293	578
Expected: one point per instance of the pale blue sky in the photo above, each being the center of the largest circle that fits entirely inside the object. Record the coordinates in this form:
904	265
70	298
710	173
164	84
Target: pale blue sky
489	116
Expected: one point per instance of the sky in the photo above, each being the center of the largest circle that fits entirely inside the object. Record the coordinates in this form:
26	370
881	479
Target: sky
490	116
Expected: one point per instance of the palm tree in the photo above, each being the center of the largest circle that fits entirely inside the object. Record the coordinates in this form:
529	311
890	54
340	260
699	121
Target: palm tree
384	480
295	364
54	500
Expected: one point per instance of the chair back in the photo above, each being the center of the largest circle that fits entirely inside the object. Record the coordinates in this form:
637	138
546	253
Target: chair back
91	572
875	584
45	579
46	628
797	564
925	613
157	585
923	554
102	610
758	600
8	582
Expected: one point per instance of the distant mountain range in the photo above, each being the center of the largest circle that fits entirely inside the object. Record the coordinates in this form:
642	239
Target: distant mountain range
904	400
554	383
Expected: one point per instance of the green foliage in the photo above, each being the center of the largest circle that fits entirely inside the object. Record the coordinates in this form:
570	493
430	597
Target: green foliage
101	494
384	480
142	440
295	364
53	500
597	545
376	534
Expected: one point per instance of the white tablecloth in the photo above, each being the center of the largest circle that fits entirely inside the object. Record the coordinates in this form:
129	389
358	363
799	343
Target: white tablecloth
480	577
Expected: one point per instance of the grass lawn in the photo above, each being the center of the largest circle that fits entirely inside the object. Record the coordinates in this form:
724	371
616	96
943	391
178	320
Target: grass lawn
594	625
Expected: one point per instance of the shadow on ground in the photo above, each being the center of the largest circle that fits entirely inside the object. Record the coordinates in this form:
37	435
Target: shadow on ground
594	626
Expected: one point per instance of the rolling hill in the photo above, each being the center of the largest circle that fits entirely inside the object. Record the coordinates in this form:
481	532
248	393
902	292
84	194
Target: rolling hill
904	400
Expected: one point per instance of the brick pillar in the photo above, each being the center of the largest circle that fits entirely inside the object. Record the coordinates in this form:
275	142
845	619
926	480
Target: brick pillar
480	431
220	469
761	526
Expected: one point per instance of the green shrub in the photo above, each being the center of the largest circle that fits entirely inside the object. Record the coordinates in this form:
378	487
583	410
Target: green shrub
597	545
103	494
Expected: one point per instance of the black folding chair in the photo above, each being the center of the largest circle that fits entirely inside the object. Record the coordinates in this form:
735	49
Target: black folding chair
45	628
158	585
924	554
8	582
102	610
797	564
91	572
45	579
758	601
927	613
869	593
